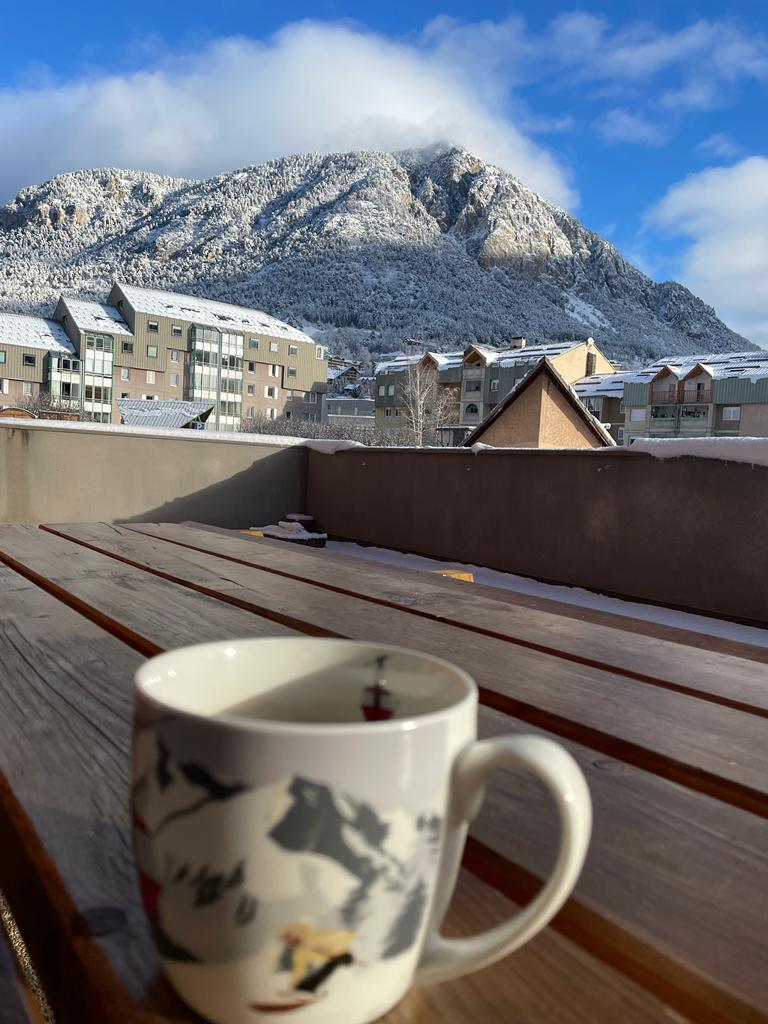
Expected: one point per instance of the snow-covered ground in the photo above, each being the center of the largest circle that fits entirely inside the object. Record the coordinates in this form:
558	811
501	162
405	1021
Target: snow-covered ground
567	595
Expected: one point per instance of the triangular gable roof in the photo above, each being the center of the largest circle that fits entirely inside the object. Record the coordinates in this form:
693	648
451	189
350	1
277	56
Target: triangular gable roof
699	368
665	371
544	366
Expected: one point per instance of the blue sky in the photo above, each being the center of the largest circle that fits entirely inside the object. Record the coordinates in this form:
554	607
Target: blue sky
646	120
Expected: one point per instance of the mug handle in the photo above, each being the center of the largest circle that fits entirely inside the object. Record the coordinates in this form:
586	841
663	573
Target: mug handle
443	959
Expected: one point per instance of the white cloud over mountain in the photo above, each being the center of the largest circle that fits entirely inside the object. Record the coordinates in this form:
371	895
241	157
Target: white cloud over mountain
311	87
723	211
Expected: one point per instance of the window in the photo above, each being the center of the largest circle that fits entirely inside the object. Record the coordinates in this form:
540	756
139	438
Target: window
149	398
637	415
253	343
4	387
27	387
398	412
126	346
382	390
620	433
98	342
176	330
125	394
125	373
2	355
291	371
30	360
391	390
622	407
293	350
494	385
174	355
270	391
174	380
289	394
150	376
274	370
250	410
272	413
152	351
251	367
251	389
313	397
473	385
288	414
274	347
731	412
306	396
591	360
472	409
319	352
387	412
153	326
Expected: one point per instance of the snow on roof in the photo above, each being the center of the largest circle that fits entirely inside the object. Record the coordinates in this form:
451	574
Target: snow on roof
532	353
34	332
338	371
447	360
607	385
202	436
164	413
209	312
399	363
720	365
96	316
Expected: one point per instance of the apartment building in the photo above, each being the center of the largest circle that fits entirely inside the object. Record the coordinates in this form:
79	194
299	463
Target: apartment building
395	375
35	355
716	395
147	344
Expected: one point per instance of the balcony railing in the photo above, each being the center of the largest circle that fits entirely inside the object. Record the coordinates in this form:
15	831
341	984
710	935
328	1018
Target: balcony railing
679	396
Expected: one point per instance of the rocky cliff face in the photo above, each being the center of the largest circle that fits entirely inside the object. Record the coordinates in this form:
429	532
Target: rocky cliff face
367	250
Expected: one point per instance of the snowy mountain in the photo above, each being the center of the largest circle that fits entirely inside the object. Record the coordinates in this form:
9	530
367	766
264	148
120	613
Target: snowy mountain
362	249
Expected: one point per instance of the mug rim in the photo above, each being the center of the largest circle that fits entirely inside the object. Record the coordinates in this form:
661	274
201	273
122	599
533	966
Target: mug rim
147	672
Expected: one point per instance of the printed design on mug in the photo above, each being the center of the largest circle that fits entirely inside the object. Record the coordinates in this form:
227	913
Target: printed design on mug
322	891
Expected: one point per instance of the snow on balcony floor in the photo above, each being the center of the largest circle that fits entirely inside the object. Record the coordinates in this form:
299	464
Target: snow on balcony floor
568	595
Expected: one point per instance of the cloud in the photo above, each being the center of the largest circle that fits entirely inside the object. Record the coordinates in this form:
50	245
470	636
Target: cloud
723	212
311	87
622	126
720	144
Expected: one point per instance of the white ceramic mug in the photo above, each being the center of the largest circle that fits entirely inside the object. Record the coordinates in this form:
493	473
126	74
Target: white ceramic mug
300	808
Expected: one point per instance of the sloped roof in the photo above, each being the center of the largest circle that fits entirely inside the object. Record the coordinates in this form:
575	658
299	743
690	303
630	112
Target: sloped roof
169	414
606	385
34	332
95	316
209	312
544	366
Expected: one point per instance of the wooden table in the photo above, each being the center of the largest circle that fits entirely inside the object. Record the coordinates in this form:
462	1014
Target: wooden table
668	921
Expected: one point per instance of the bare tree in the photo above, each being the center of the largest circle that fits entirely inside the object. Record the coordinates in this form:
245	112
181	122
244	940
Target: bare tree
426	403
48	406
365	430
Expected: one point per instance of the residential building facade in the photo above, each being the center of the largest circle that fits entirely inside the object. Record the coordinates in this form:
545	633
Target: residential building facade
35	356
714	395
146	344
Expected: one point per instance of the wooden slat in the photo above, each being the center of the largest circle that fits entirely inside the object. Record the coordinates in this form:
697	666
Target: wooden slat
527	988
103	588
648	835
682	658
65	705
707	747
